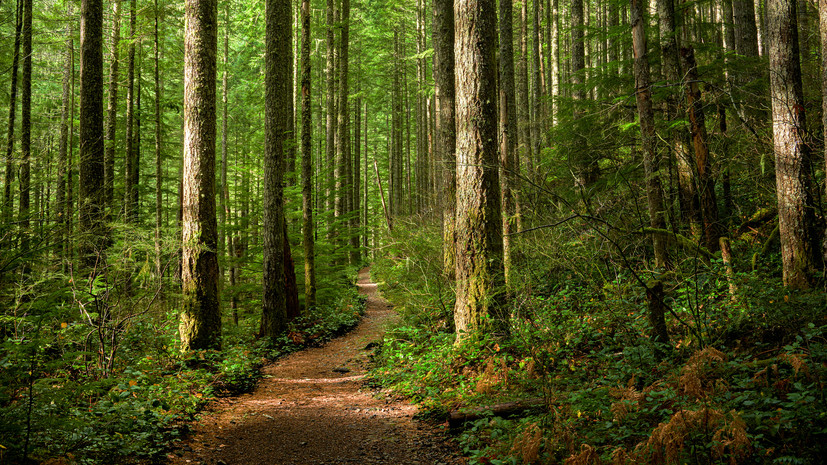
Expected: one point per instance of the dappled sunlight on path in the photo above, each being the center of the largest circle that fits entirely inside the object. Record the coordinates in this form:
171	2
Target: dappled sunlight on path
311	408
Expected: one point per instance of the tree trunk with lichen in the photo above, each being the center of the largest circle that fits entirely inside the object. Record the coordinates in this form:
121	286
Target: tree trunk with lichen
200	326
308	229
445	127
479	267
796	219
647	131
277	81
92	201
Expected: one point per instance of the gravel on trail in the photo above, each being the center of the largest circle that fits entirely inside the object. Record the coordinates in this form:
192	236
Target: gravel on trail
311	408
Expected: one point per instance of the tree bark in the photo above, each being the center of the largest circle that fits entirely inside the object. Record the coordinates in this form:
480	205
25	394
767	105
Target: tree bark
25	131
159	178
200	326
479	274
276	119
129	208
355	191
792	158
112	109
507	132
8	194
647	131
342	164
92	200
308	232
443	39
703	164
224	189
330	135
63	157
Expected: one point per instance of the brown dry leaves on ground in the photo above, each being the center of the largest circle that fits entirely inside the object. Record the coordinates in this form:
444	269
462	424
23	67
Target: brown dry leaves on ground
311	408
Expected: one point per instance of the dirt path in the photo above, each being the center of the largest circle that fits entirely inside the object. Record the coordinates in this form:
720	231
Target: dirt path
310	408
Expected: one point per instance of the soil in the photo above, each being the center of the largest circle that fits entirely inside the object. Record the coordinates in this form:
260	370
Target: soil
312	408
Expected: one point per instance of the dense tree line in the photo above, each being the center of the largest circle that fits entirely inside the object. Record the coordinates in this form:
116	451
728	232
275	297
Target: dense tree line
664	129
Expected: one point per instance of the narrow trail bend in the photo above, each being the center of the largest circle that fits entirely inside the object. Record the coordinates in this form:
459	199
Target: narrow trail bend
304	413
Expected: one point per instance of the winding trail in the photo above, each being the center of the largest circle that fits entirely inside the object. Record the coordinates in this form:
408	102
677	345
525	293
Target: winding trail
310	408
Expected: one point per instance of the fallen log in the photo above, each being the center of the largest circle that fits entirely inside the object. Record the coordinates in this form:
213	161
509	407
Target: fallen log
506	410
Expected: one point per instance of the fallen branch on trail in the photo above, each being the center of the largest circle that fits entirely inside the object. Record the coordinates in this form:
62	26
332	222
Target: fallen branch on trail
506	410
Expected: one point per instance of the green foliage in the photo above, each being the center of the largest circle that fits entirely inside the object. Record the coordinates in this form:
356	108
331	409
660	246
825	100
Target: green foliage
742	379
90	370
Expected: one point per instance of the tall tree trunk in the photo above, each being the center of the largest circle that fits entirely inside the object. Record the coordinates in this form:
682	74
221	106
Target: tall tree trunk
223	189
25	130
342	164
822	18
159	178
647	130
536	96
330	135
308	231
136	165
129	209
277	92
479	275
200	326
112	109
92	201
796	221
8	195
555	58
70	164
355	191
65	109
703	164
443	32
584	165
507	133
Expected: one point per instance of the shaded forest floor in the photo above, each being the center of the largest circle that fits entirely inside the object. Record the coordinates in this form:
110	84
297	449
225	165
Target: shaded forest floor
312	407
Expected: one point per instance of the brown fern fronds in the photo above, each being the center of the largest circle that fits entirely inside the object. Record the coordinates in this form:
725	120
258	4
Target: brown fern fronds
527	443
588	456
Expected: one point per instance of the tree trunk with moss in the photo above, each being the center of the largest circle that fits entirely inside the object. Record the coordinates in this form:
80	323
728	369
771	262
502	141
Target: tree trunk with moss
308	231
445	146
277	81
200	326
479	272
796	208
647	130
92	201
507	133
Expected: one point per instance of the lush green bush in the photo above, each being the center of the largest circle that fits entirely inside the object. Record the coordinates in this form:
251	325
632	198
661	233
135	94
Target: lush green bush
741	381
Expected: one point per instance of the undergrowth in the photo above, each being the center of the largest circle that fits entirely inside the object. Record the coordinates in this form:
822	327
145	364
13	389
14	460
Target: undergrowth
741	380
94	373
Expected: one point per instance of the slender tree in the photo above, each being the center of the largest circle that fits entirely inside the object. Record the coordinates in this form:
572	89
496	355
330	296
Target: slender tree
308	231
7	187
277	81
112	107
330	109
200	326
443	32
703	163
342	164
646	117
159	174
92	201
130	209
479	273
63	157
507	132
796	220
25	128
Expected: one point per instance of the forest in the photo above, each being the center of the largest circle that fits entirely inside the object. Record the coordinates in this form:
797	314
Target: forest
607	216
